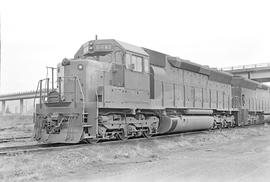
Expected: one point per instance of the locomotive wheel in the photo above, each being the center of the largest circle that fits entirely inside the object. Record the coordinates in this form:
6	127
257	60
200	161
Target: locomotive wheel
94	141
91	141
147	134
121	135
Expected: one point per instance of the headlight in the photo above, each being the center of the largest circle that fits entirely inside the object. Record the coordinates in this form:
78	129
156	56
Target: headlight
80	67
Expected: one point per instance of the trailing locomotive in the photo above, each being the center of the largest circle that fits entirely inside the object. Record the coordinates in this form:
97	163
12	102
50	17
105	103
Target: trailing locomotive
112	89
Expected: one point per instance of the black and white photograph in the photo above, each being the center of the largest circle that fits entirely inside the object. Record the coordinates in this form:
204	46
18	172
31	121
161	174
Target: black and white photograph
134	91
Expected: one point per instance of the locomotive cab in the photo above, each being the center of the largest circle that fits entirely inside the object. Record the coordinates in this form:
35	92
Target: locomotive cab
127	64
123	90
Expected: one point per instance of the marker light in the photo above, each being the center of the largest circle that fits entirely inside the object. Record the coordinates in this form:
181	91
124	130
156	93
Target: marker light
80	67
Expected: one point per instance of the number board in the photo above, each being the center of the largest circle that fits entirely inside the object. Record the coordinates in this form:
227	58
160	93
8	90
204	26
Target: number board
103	47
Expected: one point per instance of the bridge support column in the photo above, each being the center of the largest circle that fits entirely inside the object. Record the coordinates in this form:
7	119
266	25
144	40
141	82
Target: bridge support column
3	107
21	106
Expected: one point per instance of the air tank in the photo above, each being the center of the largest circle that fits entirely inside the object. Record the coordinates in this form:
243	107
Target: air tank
198	112
172	124
266	118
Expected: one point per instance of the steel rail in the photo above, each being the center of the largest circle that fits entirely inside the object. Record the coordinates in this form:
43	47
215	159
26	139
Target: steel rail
58	147
23	149
5	140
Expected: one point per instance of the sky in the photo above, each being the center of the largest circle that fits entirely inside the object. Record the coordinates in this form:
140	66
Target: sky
37	33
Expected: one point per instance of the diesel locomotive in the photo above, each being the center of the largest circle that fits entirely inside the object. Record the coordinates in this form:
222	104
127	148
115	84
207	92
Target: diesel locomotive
115	90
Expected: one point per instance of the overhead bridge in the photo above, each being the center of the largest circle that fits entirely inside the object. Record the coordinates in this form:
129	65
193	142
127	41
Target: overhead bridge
257	72
19	96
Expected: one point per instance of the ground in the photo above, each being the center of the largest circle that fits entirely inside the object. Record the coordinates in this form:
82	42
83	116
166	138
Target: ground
15	126
240	154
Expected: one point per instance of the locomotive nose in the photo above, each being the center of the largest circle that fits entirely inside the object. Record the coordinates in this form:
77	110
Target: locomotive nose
58	127
71	79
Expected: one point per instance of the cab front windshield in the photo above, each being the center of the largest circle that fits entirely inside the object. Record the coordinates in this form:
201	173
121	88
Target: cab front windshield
109	57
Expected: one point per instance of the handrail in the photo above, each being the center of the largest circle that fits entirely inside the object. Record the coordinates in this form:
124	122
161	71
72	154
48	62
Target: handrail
42	96
97	113
80	86
39	82
35	114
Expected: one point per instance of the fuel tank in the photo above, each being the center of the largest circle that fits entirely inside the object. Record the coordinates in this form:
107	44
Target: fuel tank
172	124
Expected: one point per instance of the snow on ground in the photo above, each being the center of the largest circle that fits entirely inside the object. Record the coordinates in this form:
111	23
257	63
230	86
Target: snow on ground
240	154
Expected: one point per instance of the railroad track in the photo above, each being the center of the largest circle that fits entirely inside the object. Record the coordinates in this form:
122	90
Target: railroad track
11	139
23	149
14	150
58	147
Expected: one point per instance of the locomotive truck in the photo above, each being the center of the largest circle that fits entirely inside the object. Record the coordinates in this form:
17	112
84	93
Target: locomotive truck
115	90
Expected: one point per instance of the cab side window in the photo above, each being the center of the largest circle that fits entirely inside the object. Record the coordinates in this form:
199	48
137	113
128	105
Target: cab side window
133	62
136	63
146	65
138	66
128	61
118	58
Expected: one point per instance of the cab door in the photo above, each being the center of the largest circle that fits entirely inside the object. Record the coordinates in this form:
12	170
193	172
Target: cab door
118	70
137	79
